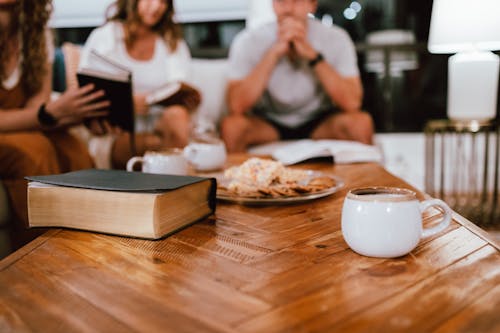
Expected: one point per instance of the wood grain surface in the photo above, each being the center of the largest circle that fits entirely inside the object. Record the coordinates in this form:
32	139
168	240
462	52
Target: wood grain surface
255	269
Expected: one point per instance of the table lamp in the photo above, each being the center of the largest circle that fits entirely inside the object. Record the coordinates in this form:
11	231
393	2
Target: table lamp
471	29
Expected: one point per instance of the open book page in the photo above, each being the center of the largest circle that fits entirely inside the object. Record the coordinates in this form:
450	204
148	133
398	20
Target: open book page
163	93
270	147
342	151
102	66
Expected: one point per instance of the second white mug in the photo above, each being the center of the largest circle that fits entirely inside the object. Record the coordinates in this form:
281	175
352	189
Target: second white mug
169	161
206	155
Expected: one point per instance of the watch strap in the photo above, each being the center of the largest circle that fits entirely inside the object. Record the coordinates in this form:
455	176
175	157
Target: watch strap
44	118
319	57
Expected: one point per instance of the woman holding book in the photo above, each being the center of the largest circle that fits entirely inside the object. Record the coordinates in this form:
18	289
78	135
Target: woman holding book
33	136
142	36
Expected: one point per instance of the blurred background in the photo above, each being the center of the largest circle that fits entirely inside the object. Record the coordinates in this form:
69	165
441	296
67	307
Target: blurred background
405	85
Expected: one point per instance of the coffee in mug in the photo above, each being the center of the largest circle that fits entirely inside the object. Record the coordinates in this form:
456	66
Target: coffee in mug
386	222
169	161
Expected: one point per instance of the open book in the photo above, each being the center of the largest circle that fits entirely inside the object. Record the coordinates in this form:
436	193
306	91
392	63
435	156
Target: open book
342	151
175	93
162	94
116	81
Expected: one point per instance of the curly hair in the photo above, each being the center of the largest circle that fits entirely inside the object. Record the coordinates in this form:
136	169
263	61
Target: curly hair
7	33
125	11
30	19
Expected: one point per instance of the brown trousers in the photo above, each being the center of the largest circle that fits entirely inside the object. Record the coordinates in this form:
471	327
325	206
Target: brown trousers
35	153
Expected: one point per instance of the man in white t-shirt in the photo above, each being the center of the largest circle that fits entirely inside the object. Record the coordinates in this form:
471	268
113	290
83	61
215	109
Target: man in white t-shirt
294	78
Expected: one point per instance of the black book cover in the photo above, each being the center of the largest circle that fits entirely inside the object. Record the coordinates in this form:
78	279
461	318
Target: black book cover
119	93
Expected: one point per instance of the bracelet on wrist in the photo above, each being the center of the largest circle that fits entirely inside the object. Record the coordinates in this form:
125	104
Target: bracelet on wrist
44	118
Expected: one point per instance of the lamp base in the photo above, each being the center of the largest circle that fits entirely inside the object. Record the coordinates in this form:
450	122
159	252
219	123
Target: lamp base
473	85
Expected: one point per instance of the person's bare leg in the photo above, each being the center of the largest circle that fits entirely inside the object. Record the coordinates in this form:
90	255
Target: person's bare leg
122	152
357	126
174	126
241	131
172	131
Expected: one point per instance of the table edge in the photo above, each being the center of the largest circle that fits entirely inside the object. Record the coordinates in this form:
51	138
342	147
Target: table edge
26	249
476	230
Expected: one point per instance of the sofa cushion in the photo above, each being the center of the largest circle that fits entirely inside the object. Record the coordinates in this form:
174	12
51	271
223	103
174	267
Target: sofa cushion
210	77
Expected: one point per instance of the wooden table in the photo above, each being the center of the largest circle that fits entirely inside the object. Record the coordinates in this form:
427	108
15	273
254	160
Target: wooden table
255	269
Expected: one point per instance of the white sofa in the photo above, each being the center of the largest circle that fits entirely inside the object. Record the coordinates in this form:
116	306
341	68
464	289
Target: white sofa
210	77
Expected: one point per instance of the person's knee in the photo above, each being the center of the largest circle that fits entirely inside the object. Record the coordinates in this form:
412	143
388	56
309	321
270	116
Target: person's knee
232	128
35	155
356	126
72	153
173	120
232	124
363	123
43	157
176	114
174	126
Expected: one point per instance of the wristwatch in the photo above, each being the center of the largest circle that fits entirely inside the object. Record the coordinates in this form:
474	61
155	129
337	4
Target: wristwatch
313	62
44	118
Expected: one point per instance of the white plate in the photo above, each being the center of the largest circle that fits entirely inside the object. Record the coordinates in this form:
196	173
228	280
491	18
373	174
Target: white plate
339	183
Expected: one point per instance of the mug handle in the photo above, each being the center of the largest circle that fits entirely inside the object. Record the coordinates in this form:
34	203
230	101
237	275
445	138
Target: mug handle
133	161
424	205
189	152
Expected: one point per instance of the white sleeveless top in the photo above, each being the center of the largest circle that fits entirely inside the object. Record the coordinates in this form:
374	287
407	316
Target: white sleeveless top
165	65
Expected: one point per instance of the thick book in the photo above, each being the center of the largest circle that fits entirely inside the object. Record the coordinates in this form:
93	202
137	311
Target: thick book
116	81
118	202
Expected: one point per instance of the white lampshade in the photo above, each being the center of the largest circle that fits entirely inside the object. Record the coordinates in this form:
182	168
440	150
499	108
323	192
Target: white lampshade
470	28
462	25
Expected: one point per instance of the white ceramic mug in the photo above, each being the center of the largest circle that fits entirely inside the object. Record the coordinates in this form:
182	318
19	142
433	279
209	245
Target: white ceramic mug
169	161
206	154
386	222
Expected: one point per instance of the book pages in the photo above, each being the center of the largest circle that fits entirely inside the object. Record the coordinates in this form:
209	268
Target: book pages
342	151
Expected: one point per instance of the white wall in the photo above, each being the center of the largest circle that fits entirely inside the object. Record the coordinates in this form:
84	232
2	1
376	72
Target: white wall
76	13
210	10
90	13
259	12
